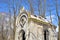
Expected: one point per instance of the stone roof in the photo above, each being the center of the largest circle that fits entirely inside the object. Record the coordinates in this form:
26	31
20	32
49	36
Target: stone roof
36	18
41	20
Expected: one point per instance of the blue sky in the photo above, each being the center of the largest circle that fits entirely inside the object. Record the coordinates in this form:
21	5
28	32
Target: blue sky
4	7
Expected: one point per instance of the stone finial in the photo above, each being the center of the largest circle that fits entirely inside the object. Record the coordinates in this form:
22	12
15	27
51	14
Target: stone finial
22	9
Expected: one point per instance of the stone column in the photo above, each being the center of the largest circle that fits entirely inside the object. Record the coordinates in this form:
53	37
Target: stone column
27	35
20	36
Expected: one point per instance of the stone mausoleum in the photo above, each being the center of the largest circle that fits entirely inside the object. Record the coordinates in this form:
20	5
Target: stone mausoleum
31	27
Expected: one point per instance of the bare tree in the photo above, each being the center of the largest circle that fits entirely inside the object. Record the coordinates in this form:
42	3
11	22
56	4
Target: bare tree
39	7
44	8
49	9
31	7
9	21
2	33
50	16
15	8
14	24
58	19
3	17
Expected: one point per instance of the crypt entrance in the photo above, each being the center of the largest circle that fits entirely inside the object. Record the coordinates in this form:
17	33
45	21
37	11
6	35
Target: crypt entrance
21	35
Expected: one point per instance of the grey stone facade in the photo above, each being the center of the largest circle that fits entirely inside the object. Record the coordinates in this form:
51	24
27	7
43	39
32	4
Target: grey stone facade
29	27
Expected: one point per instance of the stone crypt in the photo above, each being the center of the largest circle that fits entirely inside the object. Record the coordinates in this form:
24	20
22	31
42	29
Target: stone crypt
31	27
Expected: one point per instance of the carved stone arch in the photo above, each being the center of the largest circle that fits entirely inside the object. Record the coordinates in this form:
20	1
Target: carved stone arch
21	35
23	19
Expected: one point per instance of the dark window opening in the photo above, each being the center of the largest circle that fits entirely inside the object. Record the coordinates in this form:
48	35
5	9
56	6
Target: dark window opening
44	35
23	35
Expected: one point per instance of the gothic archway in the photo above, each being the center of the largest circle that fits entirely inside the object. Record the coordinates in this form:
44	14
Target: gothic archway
21	35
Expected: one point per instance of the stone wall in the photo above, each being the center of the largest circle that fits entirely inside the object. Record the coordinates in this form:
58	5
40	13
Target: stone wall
35	29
